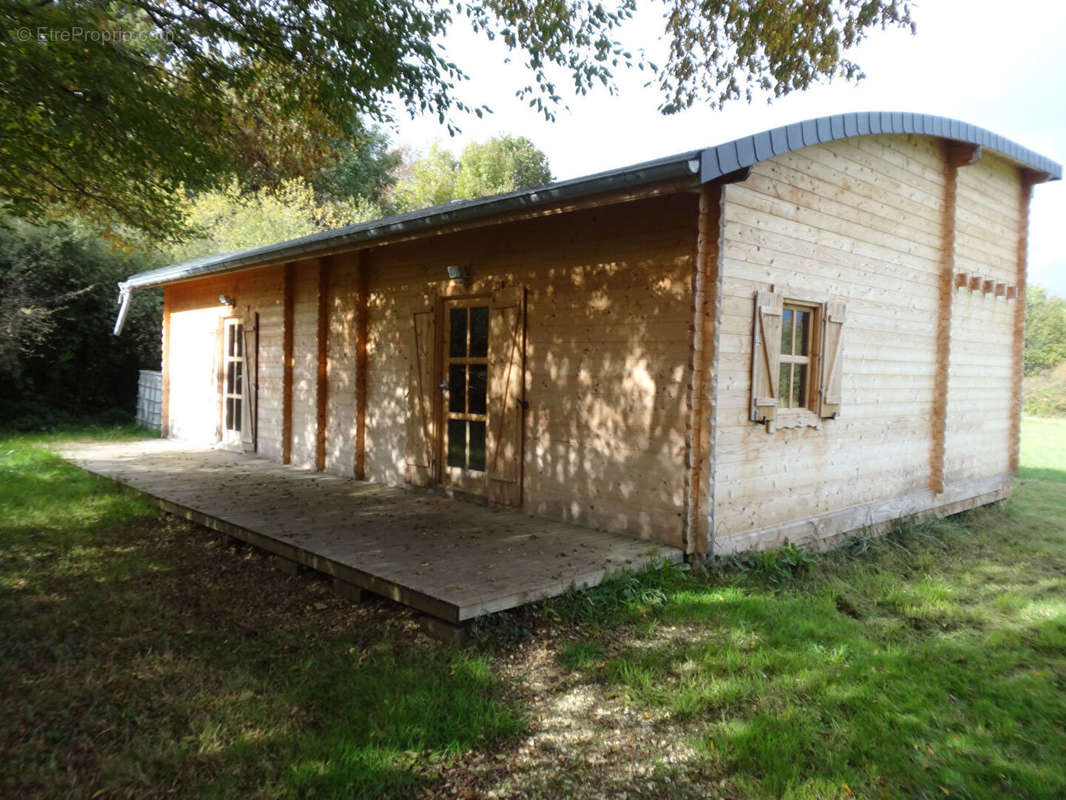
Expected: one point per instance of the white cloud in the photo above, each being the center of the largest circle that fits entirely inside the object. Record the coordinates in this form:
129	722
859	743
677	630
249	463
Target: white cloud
1000	66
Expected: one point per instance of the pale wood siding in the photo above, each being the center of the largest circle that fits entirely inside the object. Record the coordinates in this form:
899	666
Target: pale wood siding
193	368
980	382
610	342
305	364
340	370
856	221
195	317
608	316
262	289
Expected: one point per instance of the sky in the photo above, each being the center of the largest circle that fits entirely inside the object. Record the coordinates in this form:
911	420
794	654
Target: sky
998	65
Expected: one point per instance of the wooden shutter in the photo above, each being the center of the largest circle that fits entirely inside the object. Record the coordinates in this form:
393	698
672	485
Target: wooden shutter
250	385
421	394
766	355
506	401
833	316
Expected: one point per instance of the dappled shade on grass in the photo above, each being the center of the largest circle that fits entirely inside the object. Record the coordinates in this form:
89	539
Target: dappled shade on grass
143	656
148	657
935	662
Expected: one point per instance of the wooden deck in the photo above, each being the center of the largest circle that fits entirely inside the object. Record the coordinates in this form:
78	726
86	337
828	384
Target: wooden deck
452	559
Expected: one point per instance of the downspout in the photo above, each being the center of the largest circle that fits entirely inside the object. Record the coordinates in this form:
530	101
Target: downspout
125	294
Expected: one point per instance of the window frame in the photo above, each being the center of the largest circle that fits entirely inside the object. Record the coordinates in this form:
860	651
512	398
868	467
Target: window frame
810	362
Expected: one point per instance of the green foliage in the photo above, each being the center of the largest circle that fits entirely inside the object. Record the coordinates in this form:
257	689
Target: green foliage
730	49
232	218
1045	393
502	164
363	168
625	591
1045	331
775	566
62	278
431	181
108	107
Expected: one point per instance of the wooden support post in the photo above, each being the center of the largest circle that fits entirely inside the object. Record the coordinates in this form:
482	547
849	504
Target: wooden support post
164	411
697	533
349	591
956	154
285	566
447	632
1018	349
287	365
362	303
322	390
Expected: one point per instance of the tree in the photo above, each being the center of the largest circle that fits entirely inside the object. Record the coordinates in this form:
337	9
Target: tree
502	164
1045	331
57	305
107	107
362	168
233	219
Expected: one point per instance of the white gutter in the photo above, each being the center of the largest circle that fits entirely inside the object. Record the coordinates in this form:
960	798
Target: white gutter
125	294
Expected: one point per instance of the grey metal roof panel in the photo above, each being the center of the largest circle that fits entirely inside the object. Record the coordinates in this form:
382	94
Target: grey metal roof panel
842	126
677	167
710	164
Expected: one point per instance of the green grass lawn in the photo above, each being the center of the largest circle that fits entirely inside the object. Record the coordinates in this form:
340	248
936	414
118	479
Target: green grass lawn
142	656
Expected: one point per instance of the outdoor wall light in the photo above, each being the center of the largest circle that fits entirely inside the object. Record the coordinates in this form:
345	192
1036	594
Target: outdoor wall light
226	300
457	272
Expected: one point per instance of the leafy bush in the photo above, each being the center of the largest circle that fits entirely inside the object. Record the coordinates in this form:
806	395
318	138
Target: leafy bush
627	590
776	566
1045	393
1045	331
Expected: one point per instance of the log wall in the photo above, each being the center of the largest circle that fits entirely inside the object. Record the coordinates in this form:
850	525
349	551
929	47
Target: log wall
193	381
980	380
862	221
607	327
607	356
619	432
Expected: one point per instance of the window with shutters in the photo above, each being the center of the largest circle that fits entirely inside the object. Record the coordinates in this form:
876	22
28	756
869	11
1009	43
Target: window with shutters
798	323
797	359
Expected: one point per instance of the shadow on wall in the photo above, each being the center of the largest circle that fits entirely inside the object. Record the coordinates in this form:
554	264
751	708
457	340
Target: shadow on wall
608	338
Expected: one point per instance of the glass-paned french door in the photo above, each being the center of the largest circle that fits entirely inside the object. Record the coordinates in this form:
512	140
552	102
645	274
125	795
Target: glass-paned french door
465	389
233	381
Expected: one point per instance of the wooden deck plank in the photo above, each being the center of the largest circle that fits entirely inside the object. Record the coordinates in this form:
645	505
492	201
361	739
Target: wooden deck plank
452	559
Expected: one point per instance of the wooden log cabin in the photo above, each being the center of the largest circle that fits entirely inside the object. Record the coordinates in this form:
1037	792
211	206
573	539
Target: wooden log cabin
791	336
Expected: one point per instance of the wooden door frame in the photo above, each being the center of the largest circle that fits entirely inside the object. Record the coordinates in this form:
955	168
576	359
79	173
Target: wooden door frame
237	319
440	411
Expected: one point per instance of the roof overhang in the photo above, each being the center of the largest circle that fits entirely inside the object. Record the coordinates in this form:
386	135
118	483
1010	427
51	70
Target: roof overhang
746	151
721	163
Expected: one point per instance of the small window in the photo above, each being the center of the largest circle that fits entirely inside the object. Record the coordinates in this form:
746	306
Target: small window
796	358
797	348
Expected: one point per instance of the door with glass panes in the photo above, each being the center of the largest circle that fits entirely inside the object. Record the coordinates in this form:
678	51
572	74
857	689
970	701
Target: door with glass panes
464	390
233	377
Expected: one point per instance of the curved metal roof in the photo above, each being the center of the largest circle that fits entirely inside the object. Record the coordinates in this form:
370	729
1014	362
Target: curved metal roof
741	153
699	165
